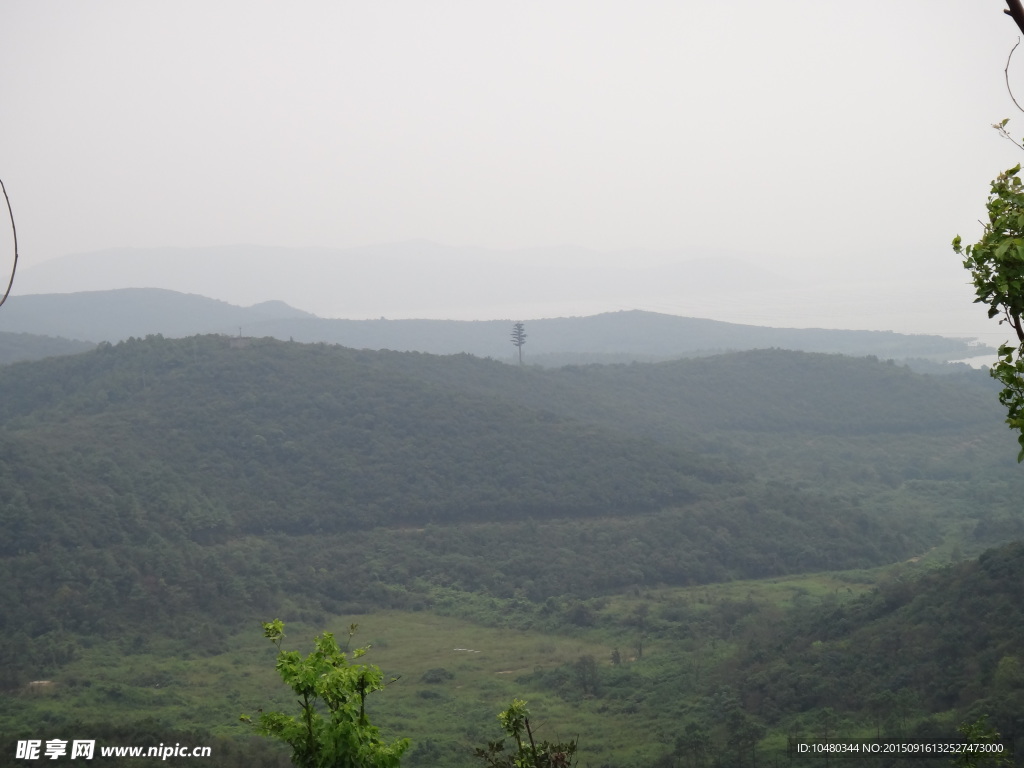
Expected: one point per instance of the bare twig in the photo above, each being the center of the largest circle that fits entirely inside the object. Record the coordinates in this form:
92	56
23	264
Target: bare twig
14	231
1001	127
1006	74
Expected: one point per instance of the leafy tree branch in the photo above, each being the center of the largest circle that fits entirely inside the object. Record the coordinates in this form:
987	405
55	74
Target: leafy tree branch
341	736
515	721
996	264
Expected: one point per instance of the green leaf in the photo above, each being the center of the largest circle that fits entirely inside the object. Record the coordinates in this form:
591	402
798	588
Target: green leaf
995	263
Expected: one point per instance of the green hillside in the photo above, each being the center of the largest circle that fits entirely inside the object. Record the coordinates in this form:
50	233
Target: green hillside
15	347
189	447
305	439
772	390
955	637
160	497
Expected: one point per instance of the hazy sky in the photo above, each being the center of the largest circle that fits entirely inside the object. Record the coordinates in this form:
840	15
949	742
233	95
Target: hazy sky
843	142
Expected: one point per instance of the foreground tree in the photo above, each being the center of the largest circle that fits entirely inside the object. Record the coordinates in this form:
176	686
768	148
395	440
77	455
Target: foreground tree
332	730
527	752
996	264
986	746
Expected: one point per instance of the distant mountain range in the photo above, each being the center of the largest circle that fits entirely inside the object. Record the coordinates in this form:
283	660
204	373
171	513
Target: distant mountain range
115	315
416	278
429	280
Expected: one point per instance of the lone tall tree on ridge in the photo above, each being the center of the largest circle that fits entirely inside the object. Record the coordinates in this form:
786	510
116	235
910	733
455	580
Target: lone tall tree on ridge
519	338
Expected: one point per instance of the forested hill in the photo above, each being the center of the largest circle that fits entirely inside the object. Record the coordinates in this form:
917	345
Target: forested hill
929	644
276	436
158	497
209	481
304	437
15	347
770	391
